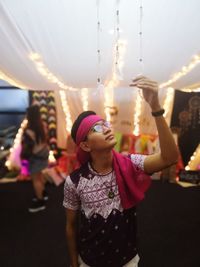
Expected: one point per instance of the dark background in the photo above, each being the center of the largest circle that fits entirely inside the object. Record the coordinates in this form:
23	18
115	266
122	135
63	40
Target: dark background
168	227
189	138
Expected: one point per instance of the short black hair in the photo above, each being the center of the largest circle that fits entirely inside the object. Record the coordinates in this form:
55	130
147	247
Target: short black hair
78	121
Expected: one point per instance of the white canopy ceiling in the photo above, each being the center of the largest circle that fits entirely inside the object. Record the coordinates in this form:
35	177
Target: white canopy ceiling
64	34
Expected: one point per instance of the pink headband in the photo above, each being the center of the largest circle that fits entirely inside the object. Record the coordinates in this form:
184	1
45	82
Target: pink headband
81	134
85	126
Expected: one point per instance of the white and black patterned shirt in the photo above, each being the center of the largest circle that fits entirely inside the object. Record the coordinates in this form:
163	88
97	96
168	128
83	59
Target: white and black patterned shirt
107	234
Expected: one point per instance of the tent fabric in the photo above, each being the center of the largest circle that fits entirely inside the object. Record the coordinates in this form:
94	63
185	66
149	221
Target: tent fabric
64	34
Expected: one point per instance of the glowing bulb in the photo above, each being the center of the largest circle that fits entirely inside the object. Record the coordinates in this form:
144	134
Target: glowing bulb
34	56
51	158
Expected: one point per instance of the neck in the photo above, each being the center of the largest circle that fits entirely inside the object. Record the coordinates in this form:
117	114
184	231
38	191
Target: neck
102	162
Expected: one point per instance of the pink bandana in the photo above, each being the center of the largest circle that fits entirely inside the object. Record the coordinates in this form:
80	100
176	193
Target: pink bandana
81	134
85	126
132	182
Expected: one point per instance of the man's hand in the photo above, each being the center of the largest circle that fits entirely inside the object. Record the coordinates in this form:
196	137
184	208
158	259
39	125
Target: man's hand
149	90
169	153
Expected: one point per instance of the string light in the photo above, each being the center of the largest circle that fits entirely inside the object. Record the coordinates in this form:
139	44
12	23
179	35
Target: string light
108	102
137	113
190	90
45	72
168	100
84	97
66	110
194	160
16	143
11	81
185	70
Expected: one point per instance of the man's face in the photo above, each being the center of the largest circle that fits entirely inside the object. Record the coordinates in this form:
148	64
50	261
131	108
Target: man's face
101	136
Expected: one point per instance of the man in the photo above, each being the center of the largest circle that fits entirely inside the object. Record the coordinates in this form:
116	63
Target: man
108	186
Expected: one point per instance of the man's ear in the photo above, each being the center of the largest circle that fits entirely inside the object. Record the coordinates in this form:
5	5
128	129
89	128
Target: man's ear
84	146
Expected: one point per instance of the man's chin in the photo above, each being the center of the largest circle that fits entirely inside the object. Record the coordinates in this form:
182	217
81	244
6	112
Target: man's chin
113	143
109	145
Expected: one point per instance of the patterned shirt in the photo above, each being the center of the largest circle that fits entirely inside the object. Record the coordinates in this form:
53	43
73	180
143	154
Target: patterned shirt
107	234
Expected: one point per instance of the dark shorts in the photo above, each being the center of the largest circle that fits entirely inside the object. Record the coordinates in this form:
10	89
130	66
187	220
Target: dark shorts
39	161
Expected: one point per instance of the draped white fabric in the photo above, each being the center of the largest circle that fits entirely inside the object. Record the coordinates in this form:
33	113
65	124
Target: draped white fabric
64	34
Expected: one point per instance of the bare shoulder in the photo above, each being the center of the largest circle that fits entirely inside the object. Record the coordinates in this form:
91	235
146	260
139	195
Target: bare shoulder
45	127
30	133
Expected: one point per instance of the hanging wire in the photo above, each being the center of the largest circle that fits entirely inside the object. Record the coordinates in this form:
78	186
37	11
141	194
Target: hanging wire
98	45
117	34
141	59
140	98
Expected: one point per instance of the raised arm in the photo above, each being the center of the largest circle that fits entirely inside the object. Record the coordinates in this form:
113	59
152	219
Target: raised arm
168	154
71	233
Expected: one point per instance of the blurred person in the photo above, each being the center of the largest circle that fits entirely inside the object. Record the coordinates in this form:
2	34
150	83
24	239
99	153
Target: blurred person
35	149
101	196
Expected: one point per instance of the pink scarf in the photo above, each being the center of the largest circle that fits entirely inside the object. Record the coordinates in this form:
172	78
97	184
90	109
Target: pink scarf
132	182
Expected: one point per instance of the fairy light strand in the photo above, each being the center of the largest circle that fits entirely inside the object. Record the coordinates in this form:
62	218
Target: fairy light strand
168	100
66	110
184	71
12	81
193	162
137	113
84	97
45	72
190	90
16	143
